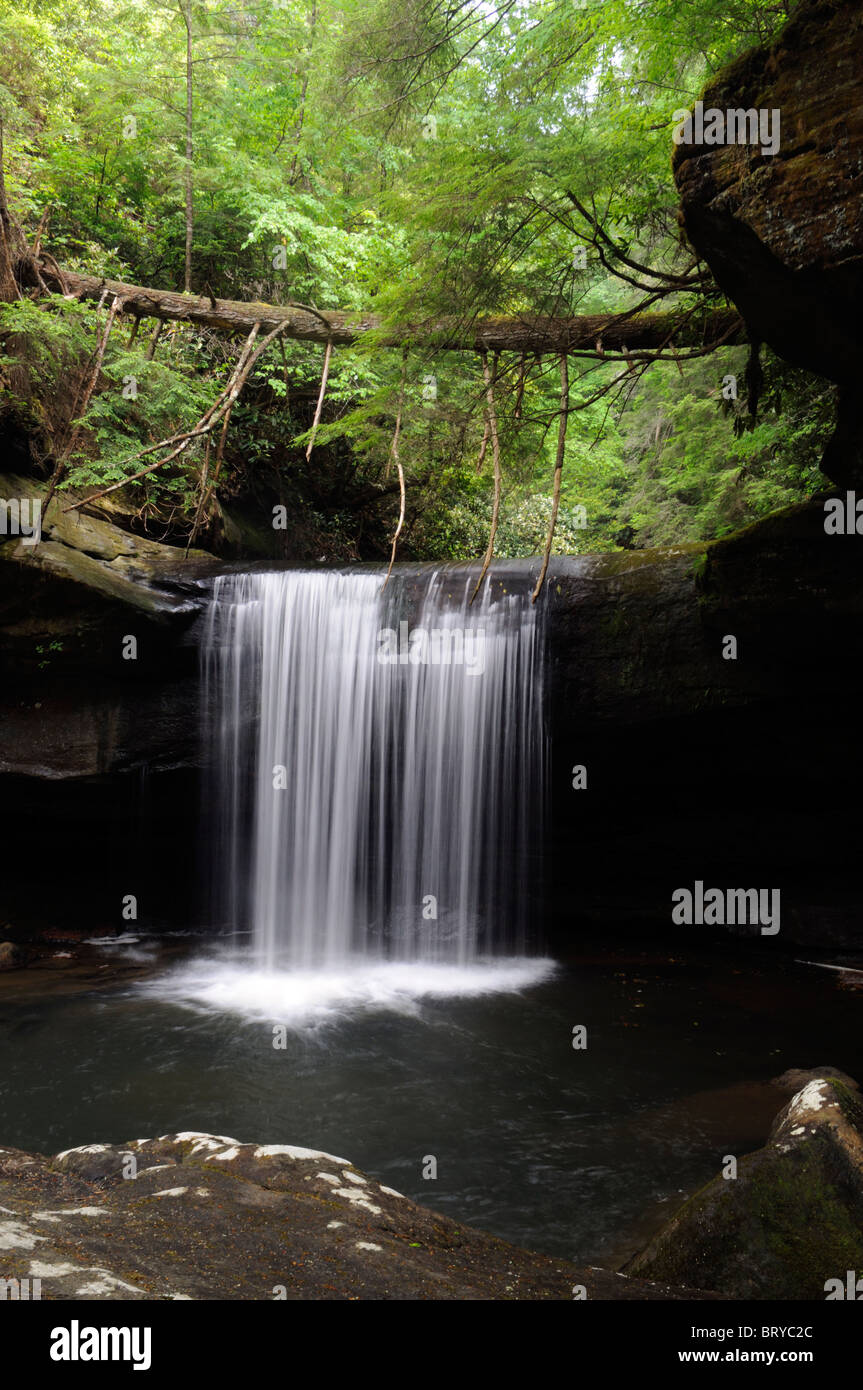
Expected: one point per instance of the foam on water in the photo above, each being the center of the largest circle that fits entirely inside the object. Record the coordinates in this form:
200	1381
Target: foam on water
302	999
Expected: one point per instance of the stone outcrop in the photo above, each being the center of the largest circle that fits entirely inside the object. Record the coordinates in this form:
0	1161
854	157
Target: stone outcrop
790	1221
783	232
201	1216
11	956
701	767
634	636
72	706
637	636
695	762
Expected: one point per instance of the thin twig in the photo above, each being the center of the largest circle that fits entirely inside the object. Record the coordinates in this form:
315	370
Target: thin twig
207	422
154	338
483	446
394	456
558	472
495	450
80	412
204	472
320	405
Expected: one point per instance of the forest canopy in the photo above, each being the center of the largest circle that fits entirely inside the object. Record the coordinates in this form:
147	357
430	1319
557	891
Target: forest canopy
419	161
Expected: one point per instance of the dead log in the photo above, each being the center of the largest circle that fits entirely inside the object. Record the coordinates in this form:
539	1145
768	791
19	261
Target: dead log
526	332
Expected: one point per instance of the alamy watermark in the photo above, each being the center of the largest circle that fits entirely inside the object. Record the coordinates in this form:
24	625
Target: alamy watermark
851	1287
720	907
21	516
77	1343
733	127
843	516
438	646
20	1290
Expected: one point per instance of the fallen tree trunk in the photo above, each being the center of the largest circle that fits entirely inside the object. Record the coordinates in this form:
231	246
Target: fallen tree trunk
594	333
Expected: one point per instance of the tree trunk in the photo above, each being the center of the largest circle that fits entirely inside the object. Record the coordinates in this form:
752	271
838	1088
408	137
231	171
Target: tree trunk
298	133
11	245
526	333
190	211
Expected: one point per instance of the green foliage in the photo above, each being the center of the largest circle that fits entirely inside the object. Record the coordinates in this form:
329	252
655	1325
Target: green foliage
142	402
40	349
692	476
47	337
412	158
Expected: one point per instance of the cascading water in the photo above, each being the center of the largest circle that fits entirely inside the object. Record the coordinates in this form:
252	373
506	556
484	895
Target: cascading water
377	764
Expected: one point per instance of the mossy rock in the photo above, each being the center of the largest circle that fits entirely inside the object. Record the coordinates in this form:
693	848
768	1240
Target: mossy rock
789	1221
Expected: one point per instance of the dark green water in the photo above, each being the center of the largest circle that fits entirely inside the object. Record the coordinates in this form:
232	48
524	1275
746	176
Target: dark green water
578	1153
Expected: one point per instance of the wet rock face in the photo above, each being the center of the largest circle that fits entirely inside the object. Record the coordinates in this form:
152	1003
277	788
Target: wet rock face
797	1078
11	956
694	762
72	705
191	1216
783	233
696	766
792	1219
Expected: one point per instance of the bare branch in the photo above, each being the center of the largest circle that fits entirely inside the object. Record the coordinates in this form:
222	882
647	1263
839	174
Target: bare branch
495	450
394	455
558	473
320	405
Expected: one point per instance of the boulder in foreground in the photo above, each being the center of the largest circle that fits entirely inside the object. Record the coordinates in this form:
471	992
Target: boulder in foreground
790	1221
207	1217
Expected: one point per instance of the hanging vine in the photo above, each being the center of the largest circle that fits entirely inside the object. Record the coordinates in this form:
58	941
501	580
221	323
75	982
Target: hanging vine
558	472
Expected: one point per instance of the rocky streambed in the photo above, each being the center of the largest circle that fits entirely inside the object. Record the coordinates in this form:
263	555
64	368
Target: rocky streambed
192	1216
202	1216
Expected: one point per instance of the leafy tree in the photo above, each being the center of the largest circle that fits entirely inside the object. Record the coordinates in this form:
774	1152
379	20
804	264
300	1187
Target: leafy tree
417	159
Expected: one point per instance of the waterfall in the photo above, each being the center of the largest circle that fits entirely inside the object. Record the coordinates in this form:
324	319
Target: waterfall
376	764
